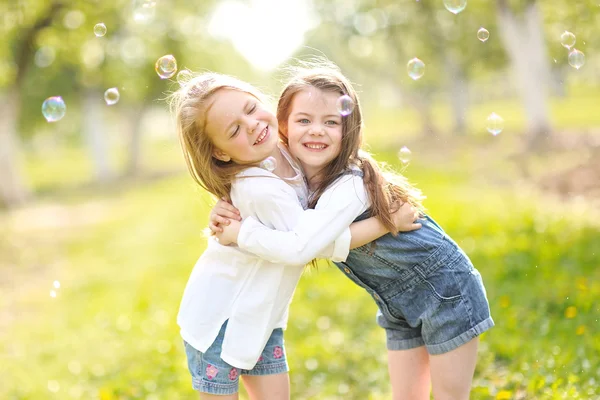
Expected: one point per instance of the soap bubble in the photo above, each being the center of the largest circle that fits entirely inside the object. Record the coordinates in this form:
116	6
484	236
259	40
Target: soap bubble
455	6
416	68
567	39
99	30
345	105
166	66
576	59
483	34
54	109
404	155
111	96
269	163
495	124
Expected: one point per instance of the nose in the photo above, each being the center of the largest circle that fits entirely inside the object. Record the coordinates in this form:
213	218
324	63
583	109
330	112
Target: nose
317	131
252	126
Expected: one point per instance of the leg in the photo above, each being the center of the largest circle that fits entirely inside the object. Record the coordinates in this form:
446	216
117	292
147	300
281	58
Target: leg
267	387
452	372
409	373
206	396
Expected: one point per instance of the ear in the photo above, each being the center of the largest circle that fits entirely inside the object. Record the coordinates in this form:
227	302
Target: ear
221	155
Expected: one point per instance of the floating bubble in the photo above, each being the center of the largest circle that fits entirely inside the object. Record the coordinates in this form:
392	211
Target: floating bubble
416	68
99	30
53	294
455	6
345	105
483	34
166	66
576	59
495	124
567	39
56	284
404	155
184	76
269	163
54	108
112	96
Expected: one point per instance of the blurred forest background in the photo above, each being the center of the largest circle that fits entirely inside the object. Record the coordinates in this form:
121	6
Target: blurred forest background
100	224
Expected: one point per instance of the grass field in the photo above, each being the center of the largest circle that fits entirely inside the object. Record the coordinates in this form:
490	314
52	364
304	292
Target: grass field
123	253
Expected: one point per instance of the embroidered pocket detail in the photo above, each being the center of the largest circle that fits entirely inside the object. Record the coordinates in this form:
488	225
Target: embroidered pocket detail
277	352
211	371
233	374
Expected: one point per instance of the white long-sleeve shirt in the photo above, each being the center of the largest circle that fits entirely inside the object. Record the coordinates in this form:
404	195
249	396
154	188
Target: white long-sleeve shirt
336	209
253	294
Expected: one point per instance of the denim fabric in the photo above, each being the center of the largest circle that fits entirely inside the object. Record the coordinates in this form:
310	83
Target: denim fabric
210	374
425	286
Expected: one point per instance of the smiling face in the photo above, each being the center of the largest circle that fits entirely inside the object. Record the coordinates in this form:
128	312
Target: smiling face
314	129
240	127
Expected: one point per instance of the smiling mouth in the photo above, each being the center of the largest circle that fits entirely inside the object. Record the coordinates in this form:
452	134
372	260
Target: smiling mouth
261	138
315	146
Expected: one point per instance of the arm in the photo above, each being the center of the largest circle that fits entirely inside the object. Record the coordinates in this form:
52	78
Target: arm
275	204
370	229
314	231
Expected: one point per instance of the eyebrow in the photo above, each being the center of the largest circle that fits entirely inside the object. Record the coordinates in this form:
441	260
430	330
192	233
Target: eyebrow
310	115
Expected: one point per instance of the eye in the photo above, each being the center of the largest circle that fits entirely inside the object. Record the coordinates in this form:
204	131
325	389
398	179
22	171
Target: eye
331	122
234	134
252	109
304	121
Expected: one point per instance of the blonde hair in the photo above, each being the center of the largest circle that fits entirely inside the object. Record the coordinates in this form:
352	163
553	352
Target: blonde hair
190	104
385	189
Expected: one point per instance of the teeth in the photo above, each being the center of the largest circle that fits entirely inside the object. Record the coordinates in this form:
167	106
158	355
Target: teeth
315	146
261	137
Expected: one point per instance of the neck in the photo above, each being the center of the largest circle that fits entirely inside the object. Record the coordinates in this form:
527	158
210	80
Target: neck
312	176
283	169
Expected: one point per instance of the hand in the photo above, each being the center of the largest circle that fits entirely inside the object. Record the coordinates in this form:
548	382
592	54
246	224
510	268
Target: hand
221	214
229	233
404	218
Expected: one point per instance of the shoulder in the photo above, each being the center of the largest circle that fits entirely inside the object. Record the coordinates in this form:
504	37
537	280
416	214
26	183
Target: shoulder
257	182
349	185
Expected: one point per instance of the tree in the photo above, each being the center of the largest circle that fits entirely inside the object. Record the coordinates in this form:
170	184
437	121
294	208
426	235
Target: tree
13	189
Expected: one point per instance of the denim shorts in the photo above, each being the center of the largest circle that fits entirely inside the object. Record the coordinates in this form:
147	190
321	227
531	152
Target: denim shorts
210	374
442	306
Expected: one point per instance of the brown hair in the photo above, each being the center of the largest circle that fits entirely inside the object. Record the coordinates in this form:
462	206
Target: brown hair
385	189
189	104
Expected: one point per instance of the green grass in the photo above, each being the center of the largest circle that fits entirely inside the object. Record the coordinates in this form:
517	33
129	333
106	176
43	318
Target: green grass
111	333
123	253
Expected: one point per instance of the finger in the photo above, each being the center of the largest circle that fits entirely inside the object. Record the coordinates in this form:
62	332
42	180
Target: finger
414	227
222	220
214	228
228	214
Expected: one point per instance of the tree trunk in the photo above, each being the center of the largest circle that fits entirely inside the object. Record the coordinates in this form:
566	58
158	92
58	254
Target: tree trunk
135	116
13	190
95	134
524	42
459	95
422	102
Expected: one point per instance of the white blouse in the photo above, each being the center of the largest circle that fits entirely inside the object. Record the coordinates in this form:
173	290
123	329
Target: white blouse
336	209
253	294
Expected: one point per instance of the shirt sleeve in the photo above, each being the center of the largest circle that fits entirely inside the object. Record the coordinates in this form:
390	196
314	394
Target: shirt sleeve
325	227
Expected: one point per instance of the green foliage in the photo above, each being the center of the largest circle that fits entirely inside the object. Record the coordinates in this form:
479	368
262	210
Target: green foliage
123	257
